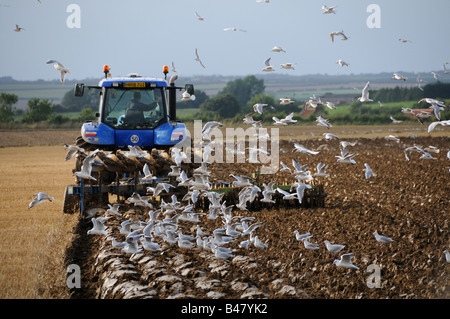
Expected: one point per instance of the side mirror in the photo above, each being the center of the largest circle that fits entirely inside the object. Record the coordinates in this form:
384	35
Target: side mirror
189	88
79	89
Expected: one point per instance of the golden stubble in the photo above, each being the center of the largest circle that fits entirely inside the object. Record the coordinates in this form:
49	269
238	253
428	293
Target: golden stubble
33	241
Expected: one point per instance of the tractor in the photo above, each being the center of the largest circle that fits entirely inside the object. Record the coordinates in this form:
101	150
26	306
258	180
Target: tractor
134	112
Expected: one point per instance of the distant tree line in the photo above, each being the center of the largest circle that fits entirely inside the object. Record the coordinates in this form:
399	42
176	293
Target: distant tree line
399	94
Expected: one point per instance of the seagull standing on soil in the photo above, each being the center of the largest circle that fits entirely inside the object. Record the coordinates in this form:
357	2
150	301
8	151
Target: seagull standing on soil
382	239
300	237
447	255
334	248
309	245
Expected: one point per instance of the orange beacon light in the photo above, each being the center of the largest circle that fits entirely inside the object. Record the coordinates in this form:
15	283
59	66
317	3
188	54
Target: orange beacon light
106	70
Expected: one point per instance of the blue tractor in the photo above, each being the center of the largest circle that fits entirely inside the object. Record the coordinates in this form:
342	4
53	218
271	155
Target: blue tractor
135	112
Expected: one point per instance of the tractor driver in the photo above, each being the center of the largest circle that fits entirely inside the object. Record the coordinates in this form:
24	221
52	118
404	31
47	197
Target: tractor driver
135	109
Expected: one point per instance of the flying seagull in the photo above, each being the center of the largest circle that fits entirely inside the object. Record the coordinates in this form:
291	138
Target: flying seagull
198	58
198	16
398	77
365	94
39	198
268	67
328	10
336	33
58	66
18	29
342	63
278	49
234	29
345	261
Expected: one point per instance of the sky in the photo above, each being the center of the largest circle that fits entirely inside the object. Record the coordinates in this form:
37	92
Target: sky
141	36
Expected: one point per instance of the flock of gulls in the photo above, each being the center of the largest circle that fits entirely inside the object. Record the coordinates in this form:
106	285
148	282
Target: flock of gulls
162	226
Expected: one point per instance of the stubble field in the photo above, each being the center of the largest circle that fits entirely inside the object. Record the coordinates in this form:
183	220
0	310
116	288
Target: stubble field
407	201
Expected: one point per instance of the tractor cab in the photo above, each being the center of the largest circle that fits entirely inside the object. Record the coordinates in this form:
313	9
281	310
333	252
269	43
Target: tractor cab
134	110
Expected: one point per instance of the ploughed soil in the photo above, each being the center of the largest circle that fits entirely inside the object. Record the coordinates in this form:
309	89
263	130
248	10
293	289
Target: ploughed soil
407	201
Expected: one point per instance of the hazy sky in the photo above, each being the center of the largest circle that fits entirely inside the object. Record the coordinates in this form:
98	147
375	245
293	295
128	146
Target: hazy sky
143	35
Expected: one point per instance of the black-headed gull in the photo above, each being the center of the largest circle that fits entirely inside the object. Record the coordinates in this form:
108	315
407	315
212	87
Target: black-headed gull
287	66
368	171
300	148
58	66
197	58
258	107
330	136
72	150
300	237
198	16
114	209
394	120
18	29
286	101
258	243
321	170
447	255
333	248
365	94
309	245
98	226
399	77
39	198
278	49
234	29
342	63
86	168
323	122
345	261
268	67
432	125
382	239
336	33
277	121
148	176
328	10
